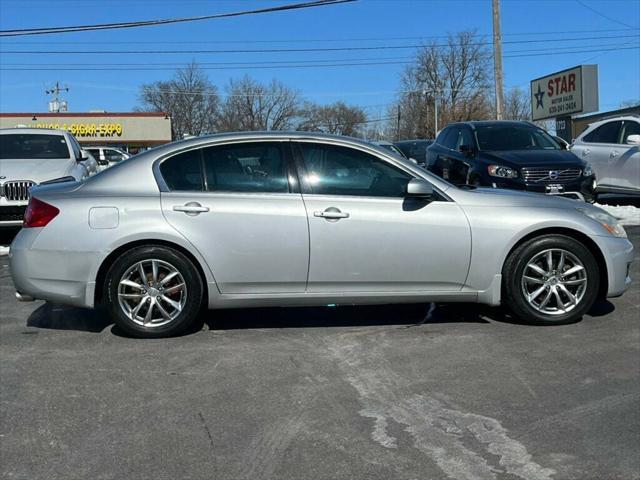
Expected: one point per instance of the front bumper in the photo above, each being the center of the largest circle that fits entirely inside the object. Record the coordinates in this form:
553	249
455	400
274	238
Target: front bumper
618	254
582	185
12	215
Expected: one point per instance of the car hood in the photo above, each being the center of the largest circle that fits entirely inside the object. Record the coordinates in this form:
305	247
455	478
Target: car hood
37	170
520	158
496	197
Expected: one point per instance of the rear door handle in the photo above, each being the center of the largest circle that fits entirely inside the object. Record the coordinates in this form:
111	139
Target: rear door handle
331	213
191	208
586	152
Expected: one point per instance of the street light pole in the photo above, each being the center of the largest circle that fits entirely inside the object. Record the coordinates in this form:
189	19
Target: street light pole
497	59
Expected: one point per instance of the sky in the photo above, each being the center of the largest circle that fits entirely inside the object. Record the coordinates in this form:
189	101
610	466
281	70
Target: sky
540	37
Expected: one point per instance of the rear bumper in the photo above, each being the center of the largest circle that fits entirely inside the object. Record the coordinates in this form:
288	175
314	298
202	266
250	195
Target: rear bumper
57	276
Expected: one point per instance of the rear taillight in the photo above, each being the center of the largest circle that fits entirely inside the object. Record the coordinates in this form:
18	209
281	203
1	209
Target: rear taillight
38	214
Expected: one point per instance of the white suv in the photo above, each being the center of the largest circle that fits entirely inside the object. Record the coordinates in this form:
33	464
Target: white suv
612	147
29	156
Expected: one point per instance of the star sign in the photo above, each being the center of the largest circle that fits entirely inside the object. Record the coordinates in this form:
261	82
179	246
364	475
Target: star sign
539	97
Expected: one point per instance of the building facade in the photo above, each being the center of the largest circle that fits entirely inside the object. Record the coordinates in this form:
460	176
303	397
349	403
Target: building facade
131	131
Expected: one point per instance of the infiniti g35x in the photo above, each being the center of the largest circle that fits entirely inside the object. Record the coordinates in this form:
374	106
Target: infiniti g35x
279	219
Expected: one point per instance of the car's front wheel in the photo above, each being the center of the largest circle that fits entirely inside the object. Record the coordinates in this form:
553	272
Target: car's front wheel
550	280
153	291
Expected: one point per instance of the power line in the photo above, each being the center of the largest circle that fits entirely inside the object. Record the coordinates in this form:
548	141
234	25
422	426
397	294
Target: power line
290	66
300	50
275	62
597	12
148	23
316	40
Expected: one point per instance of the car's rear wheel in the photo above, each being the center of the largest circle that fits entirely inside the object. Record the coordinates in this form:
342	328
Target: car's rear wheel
153	291
550	280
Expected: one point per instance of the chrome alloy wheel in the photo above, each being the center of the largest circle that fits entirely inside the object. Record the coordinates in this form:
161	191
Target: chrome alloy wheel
554	281
152	293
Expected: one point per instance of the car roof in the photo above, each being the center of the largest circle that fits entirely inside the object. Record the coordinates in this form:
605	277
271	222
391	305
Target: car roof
30	131
263	135
495	123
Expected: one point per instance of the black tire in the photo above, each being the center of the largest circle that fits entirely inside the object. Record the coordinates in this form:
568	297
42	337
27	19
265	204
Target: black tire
512	280
193	293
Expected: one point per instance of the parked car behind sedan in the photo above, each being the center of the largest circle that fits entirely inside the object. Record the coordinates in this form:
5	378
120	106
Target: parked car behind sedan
391	147
509	154
278	219
29	156
107	156
612	147
416	149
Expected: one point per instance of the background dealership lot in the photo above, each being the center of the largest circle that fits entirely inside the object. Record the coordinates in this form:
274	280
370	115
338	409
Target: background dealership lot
366	392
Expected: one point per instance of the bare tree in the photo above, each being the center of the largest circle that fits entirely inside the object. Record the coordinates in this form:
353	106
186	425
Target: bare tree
517	105
337	118
455	76
189	98
251	105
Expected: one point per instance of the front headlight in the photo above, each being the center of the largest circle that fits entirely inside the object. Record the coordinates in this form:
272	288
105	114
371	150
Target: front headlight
502	172
588	170
608	222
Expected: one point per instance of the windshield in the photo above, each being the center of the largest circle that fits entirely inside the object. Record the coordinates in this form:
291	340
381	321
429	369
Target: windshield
510	137
21	145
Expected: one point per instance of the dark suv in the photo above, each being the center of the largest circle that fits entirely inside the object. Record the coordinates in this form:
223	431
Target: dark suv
508	154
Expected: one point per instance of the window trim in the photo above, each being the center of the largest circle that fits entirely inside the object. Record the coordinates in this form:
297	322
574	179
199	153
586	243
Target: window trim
164	188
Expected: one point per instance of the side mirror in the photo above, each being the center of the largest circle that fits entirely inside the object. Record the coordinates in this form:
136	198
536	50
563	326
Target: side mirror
419	188
83	156
411	159
468	150
633	139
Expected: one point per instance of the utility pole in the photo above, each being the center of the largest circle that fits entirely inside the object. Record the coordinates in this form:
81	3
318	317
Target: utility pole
497	59
398	125
57	105
435	111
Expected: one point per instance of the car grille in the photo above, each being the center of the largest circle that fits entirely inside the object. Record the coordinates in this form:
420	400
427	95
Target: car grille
18	190
550	175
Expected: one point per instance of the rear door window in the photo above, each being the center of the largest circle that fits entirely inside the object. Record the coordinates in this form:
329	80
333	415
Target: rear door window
246	167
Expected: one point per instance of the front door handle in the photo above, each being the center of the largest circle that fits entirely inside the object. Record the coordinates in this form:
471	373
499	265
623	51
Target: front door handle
586	152
191	208
613	154
331	213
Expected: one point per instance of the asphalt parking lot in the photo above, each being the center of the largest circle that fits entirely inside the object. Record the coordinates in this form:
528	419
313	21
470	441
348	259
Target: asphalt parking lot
321	393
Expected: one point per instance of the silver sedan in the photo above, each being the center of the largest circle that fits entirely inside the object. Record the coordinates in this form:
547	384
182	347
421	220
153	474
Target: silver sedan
279	219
